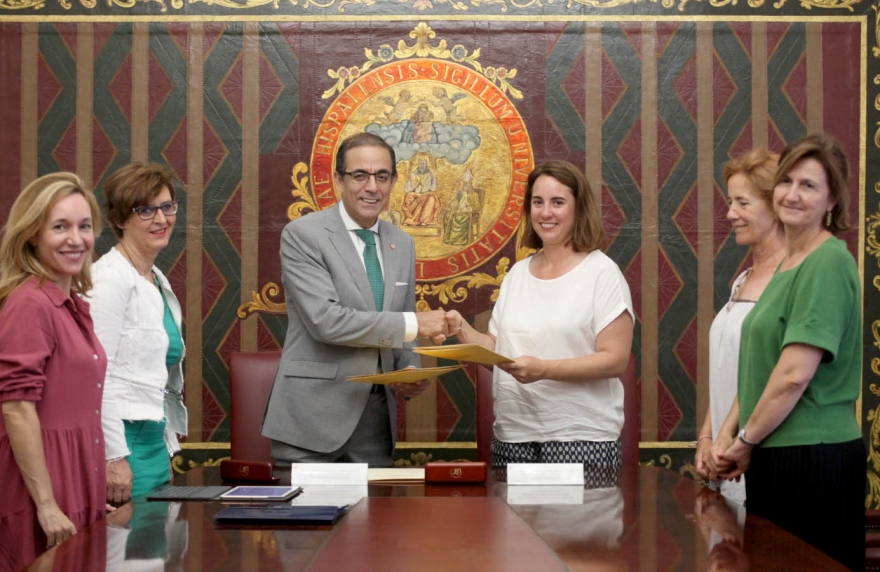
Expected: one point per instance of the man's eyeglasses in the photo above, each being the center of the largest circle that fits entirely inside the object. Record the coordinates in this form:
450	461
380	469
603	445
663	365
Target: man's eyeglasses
382	177
148	212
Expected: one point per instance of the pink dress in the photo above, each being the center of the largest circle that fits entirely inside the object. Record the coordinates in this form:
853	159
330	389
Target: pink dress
49	354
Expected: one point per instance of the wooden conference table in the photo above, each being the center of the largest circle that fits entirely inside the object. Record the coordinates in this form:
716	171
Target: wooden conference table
654	519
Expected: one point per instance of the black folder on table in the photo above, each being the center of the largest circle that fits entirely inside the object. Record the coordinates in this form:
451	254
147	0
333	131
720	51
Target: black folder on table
284	514
183	493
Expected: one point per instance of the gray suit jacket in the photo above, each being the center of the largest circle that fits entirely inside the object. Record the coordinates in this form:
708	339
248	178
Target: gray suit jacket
334	330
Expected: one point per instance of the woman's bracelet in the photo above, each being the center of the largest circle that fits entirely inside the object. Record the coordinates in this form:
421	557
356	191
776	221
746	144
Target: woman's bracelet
458	329
701	437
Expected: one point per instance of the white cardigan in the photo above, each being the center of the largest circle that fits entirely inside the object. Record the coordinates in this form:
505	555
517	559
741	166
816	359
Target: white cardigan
128	312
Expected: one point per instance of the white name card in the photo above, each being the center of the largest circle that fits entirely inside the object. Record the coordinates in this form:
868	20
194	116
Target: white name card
332	495
302	474
545	494
544	474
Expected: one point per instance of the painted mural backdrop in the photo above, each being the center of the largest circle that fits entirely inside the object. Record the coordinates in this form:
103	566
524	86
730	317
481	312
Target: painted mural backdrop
248	114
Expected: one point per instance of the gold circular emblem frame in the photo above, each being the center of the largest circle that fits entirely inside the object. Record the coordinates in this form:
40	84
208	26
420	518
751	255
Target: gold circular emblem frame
463	159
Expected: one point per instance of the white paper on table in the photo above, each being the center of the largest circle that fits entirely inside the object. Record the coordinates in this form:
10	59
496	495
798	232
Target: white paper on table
331	495
545	474
302	474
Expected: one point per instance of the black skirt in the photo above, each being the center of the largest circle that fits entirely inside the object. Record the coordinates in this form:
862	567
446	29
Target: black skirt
816	492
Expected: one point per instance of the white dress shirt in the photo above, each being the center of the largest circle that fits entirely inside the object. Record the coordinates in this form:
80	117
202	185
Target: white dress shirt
412	324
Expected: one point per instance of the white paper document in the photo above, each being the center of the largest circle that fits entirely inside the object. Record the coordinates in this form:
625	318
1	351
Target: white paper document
302	474
331	495
544	474
396	475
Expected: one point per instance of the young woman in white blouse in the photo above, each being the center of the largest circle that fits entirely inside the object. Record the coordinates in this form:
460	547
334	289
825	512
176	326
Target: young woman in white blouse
565	315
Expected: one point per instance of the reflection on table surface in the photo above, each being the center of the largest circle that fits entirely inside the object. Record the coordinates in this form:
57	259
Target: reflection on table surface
644	518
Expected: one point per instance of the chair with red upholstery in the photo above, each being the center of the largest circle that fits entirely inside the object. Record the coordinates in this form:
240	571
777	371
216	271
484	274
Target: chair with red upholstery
250	379
632	414
485	413
632	426
872	539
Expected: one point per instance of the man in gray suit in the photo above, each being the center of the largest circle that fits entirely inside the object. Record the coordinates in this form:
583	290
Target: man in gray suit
340	325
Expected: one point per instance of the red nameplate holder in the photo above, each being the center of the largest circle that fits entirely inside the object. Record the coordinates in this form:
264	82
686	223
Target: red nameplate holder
463	472
234	470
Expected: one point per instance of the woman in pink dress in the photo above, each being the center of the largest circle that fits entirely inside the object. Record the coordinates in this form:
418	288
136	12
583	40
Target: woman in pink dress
51	371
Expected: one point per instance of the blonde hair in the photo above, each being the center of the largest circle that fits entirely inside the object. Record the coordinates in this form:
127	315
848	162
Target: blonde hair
18	257
759	167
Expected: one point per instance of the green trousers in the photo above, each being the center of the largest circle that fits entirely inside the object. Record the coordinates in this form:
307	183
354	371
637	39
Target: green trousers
149	459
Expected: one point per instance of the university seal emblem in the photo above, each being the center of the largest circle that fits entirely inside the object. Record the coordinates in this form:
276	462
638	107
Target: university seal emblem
463	158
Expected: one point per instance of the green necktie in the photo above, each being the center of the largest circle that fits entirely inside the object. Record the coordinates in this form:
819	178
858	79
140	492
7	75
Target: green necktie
371	262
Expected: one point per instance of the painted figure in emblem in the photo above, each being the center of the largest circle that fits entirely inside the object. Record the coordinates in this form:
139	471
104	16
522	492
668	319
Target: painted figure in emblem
461	223
447	104
391	214
420	203
421	128
395	114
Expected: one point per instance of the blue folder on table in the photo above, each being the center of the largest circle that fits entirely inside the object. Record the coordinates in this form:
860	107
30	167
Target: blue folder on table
285	514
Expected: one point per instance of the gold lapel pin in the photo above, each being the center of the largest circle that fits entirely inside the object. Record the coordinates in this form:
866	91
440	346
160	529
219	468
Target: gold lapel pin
391	246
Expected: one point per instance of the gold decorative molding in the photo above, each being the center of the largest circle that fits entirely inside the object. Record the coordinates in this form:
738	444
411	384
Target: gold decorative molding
667	445
826	4
261	302
872	248
806	4
420	6
240	5
303	198
690	470
132	3
872	241
201	445
178	466
876	49
451	291
664	461
22	4
873	417
619	3
417	459
422	49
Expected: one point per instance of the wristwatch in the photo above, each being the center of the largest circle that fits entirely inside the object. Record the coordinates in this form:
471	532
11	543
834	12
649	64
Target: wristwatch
742	437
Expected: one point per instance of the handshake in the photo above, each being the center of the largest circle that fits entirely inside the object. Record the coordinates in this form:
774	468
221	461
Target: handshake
438	325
